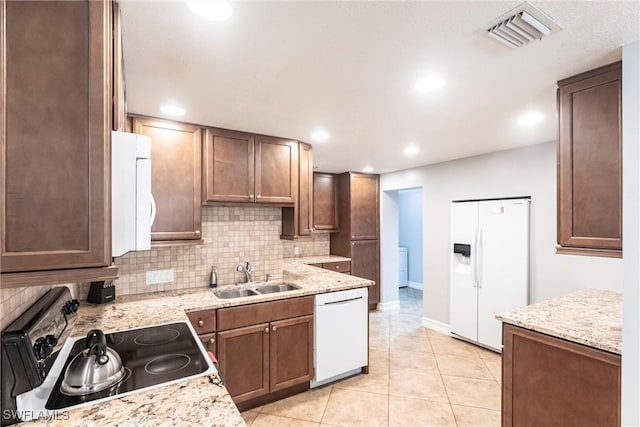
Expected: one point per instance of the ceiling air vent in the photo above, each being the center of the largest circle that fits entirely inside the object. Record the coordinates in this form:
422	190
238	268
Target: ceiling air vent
522	25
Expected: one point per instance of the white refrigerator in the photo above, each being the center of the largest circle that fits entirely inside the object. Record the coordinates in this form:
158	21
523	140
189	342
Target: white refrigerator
489	270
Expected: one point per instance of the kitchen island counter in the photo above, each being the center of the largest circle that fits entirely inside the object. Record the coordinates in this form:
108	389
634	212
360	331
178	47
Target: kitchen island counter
589	317
199	401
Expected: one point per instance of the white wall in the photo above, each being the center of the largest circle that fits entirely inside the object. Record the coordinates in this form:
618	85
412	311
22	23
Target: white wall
631	234
528	171
389	262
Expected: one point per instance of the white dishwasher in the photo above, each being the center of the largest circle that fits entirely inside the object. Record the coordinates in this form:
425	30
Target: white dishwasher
340	335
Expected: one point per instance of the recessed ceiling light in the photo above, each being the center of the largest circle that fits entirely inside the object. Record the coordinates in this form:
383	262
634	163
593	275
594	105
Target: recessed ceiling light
211	10
172	110
429	84
411	149
320	135
530	118
367	169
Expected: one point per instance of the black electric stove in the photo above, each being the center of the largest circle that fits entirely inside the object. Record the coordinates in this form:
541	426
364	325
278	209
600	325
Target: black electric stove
150	356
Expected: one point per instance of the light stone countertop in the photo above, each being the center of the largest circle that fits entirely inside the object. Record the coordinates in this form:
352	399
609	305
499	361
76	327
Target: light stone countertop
591	317
198	401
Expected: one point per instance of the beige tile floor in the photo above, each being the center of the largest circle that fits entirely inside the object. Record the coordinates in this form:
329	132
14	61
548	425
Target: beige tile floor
417	377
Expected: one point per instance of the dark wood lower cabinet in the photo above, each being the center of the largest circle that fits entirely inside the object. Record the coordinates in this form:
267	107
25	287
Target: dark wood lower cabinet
548	381
291	352
243	355
266	360
365	263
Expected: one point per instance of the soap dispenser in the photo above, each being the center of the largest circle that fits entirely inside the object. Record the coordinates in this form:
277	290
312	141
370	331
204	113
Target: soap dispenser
213	282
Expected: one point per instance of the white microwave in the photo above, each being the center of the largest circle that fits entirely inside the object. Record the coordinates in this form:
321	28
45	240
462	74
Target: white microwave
132	204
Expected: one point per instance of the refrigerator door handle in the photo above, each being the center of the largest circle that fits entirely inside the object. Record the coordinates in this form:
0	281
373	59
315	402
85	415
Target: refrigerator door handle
474	255
479	258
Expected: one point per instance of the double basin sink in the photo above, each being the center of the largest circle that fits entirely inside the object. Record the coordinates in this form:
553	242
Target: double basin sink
255	290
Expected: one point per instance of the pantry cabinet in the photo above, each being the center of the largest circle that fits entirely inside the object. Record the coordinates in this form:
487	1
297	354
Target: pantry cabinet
590	163
358	238
175	179
55	141
325	202
297	220
265	348
244	168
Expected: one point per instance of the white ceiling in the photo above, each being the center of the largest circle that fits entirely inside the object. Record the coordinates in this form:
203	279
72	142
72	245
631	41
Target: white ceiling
286	68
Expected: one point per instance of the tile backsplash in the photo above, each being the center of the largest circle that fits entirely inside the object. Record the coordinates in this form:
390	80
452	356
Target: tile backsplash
316	244
232	235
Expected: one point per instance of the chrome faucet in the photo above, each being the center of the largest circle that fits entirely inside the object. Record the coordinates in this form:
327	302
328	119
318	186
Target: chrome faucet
247	269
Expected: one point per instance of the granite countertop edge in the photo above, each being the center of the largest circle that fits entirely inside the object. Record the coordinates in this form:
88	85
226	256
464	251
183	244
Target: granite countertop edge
590	317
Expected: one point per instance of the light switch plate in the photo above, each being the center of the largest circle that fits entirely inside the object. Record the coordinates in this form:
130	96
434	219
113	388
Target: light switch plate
155	277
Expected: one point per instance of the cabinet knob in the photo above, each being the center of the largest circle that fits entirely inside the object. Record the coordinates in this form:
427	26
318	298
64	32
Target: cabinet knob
337	267
251	196
201	323
258	196
212	341
274	329
266	330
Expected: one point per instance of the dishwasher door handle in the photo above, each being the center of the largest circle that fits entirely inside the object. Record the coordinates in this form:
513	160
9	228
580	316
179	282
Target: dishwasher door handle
342	301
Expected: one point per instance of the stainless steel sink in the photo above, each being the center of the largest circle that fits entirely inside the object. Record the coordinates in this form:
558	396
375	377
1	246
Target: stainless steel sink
256	289
276	287
234	293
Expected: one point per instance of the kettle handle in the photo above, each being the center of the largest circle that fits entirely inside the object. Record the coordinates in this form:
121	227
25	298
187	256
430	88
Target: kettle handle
97	344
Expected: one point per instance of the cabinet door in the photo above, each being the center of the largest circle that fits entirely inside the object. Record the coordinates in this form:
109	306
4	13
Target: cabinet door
243	355
590	163
291	352
55	133
365	261
119	92
276	170
325	202
305	191
175	178
553	382
364	206
228	163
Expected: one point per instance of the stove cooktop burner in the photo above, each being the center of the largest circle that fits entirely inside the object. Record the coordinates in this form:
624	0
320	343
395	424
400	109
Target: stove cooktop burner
151	356
157	337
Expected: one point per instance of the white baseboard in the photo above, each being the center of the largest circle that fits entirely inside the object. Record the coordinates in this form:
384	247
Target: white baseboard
415	285
436	325
391	305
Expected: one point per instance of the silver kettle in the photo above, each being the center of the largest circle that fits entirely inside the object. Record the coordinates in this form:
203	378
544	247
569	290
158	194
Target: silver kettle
94	369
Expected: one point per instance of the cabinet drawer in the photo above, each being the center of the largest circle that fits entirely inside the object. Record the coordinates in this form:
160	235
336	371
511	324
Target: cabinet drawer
246	315
319	265
209	341
340	266
203	321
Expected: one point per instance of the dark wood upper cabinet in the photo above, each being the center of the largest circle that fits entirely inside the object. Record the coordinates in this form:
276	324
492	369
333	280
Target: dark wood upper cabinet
297	220
119	92
325	202
55	130
364	206
276	170
590	163
228	162
245	168
175	178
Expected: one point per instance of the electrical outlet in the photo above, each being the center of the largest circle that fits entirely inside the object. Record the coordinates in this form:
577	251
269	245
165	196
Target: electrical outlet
155	277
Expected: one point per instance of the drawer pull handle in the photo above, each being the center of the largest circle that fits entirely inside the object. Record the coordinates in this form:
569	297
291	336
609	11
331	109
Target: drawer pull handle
201	323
